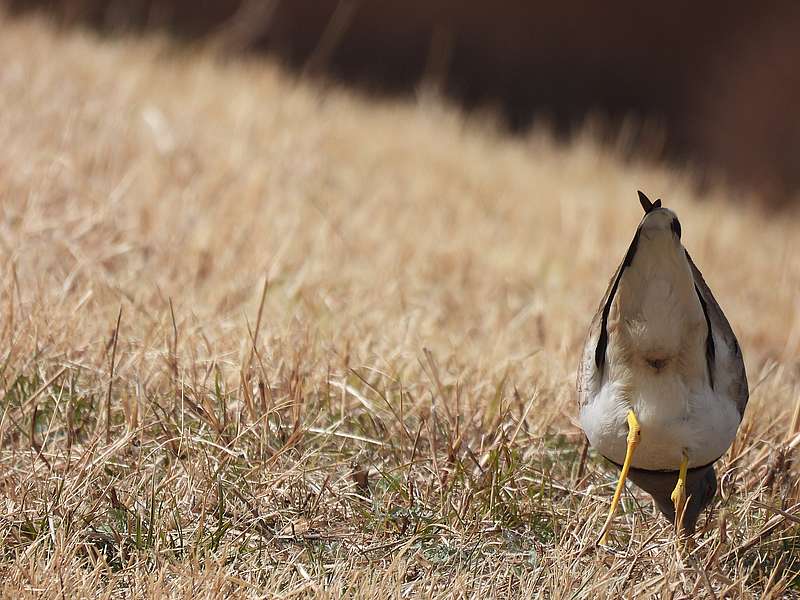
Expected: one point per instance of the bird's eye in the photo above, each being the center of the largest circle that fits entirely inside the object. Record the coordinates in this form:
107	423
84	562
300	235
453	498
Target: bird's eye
676	227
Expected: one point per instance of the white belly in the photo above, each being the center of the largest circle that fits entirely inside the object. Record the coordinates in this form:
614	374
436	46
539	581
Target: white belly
673	417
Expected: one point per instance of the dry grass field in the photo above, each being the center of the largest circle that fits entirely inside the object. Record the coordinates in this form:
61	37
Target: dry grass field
262	337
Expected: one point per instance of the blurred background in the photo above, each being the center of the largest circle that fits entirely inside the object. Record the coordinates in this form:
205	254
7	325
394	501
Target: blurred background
713	87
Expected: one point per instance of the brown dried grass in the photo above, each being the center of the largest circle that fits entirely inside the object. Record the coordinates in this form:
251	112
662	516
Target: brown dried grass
392	414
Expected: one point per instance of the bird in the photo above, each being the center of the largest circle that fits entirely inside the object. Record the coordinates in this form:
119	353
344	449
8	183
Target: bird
662	386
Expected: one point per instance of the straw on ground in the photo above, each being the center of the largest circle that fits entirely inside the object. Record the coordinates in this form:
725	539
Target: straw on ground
392	415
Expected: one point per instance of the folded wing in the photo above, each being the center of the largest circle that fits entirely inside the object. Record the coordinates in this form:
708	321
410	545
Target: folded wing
729	376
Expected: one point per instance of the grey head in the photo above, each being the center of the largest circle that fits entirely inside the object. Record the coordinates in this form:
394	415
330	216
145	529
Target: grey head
701	487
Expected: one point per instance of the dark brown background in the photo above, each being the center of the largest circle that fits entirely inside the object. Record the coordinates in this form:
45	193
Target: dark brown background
715	85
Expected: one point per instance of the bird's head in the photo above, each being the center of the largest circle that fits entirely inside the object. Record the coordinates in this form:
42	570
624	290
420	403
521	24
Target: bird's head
658	220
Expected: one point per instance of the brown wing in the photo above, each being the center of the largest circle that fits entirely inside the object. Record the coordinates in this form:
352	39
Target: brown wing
589	373
729	374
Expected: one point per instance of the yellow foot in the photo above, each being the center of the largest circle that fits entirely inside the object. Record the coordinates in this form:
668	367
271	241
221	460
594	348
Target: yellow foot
634	433
678	495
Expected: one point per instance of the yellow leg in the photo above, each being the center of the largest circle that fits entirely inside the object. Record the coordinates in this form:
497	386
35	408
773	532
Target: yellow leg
679	493
634	432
